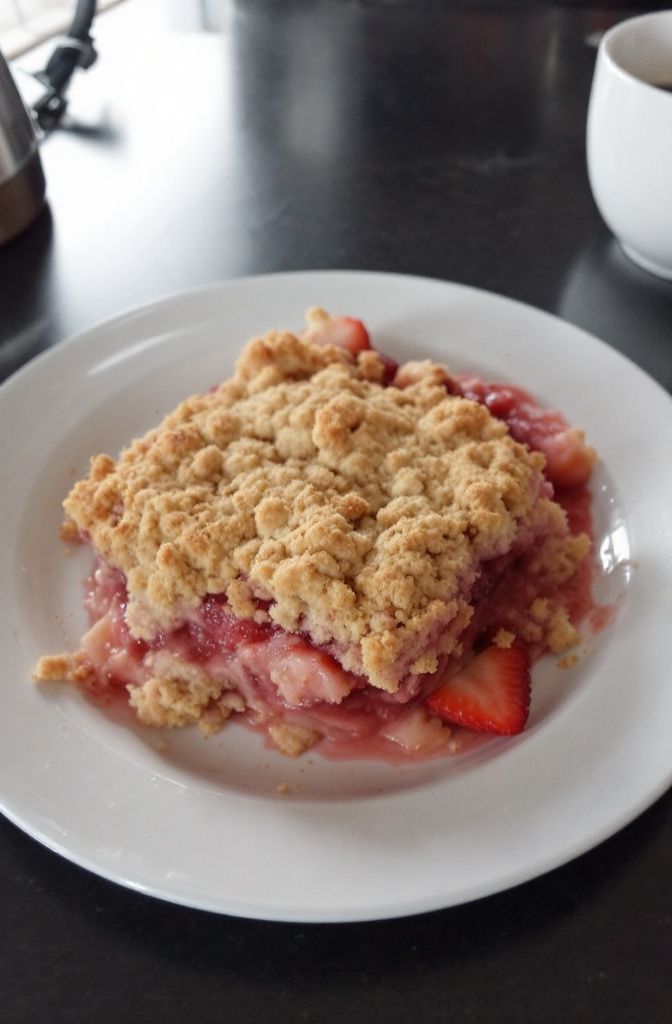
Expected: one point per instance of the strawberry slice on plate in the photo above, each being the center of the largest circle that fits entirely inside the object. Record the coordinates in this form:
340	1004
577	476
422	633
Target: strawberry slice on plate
345	331
490	694
569	460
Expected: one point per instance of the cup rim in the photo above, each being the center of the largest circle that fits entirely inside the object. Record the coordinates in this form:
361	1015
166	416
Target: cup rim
618	29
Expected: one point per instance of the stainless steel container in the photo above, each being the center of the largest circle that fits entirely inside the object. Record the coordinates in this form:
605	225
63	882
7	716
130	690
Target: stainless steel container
22	184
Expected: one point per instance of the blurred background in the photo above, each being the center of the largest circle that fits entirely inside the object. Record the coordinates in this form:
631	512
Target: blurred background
25	23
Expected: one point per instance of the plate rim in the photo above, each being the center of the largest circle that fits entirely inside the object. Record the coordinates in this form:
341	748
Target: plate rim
212	287
36	366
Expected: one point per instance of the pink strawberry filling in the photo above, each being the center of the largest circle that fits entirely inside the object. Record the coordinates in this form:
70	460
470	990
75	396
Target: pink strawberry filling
569	460
281	676
284	677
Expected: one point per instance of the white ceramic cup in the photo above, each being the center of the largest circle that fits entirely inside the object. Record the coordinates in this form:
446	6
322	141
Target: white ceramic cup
629	139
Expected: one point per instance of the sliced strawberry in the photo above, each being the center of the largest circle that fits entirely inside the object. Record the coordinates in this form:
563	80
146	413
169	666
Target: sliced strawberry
304	674
391	367
569	460
500	401
344	331
490	694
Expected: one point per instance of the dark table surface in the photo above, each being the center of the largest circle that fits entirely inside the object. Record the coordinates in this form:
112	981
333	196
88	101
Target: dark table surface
212	141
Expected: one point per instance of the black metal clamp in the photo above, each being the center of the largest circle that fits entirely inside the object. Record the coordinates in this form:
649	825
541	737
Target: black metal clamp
74	50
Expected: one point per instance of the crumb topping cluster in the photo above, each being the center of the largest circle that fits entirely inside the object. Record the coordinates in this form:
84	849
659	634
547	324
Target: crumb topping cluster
305	490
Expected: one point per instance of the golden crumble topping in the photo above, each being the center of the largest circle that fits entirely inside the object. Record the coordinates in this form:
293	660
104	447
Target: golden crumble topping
358	512
55	667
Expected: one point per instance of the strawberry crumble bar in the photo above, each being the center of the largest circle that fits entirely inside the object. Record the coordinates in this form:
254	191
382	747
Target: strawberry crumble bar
334	549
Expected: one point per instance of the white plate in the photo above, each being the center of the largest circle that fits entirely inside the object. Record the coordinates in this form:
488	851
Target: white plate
200	822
